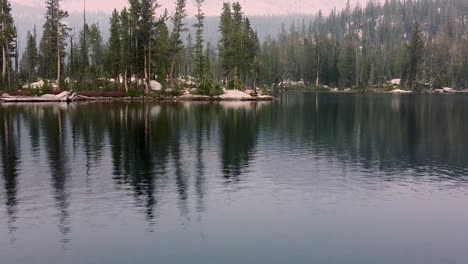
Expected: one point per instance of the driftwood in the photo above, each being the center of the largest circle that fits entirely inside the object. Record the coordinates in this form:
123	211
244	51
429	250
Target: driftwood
62	97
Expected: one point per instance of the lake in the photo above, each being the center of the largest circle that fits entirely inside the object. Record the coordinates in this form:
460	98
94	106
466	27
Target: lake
310	178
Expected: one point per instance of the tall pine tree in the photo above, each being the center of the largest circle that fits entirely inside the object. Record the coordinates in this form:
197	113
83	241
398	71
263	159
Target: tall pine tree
176	42
29	59
114	46
199	27
52	46
7	40
415	57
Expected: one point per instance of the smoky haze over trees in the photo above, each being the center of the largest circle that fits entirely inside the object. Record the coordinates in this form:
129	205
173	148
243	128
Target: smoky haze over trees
361	46
421	42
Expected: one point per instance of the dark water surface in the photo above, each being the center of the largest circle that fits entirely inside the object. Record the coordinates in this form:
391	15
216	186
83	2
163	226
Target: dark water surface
308	179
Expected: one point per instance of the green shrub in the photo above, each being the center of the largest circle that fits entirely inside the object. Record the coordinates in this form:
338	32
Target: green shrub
210	88
134	93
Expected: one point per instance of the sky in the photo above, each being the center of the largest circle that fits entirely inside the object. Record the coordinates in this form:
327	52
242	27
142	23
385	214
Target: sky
211	7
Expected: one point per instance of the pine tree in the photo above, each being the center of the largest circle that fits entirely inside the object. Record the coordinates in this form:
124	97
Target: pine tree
29	59
238	38
251	51
137	52
146	28
225	45
347	63
162	48
84	49
126	46
52	47
83	54
415	54
189	56
7	40
238	47
114	46
178	28
96	49
199	27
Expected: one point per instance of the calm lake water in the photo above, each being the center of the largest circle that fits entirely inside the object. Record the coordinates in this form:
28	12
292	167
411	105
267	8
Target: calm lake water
324	178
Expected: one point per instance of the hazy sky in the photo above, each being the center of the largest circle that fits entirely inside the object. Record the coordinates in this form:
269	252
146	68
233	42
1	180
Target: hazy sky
212	7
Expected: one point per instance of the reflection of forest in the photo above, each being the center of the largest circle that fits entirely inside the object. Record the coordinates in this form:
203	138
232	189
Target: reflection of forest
9	140
152	146
395	132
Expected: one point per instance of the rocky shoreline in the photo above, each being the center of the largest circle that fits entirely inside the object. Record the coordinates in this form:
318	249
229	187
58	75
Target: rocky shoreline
229	95
68	97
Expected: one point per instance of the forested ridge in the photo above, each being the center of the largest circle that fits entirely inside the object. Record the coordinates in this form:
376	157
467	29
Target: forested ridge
424	43
418	41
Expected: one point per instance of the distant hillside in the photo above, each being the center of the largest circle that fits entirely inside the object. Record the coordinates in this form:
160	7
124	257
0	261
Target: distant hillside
425	43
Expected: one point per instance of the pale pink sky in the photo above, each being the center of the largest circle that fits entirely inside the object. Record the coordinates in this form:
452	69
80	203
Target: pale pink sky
212	7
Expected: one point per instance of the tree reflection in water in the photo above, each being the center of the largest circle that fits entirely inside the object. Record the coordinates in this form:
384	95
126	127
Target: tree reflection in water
154	151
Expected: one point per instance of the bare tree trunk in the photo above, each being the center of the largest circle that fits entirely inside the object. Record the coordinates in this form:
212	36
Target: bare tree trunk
58	52
255	83
357	69
146	74
117	81
317	79
4	62
126	80
148	80
171	75
371	76
4	54
8	70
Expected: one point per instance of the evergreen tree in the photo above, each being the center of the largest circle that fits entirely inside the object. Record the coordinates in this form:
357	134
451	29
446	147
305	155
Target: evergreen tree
225	46
199	27
189	56
96	49
347	64
137	52
178	28
251	51
162	48
238	47
84	49
29	59
146	29
238	38
126	46
52	46
7	40
415	56
114	46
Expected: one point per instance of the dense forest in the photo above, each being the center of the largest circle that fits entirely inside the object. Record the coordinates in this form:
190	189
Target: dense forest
423	43
418	41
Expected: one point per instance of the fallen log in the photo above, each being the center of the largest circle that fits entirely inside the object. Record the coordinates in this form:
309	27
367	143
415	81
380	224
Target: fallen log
62	97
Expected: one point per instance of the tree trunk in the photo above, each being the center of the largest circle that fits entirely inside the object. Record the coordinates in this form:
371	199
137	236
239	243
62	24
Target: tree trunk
126	80
146	74
4	62
8	65
317	79
58	56
255	83
148	80
371	76
171	75
117	82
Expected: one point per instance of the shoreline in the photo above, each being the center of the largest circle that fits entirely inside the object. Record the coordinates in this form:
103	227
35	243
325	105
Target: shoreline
67	97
